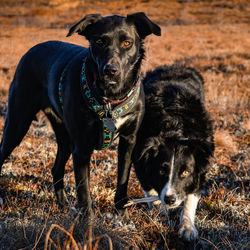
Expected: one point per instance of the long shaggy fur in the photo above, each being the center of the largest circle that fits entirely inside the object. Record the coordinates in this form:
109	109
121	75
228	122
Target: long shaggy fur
175	139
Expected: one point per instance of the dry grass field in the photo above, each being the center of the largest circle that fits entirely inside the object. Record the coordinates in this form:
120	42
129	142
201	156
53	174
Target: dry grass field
213	37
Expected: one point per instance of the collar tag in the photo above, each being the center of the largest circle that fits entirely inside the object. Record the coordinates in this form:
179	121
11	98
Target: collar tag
110	124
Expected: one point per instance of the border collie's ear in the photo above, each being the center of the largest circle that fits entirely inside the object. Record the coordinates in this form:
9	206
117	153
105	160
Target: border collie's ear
143	24
82	24
208	147
203	152
151	145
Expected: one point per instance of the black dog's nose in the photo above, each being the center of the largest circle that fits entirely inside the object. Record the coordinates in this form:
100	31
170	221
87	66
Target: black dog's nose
169	199
110	69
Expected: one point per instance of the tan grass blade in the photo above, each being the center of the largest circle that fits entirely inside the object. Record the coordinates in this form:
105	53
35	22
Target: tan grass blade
63	230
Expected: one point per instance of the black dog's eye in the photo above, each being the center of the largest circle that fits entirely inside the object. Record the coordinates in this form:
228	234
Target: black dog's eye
126	44
185	173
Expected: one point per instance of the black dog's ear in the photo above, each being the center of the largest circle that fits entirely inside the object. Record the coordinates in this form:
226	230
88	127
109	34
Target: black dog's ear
80	26
143	24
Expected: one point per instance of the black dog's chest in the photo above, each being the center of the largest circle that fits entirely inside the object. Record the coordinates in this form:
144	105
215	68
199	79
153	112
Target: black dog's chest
111	115
119	122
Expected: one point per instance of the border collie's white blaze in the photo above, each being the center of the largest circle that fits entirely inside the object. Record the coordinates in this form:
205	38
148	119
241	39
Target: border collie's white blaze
168	189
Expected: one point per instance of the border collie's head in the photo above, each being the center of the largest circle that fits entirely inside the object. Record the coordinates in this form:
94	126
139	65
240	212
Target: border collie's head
174	167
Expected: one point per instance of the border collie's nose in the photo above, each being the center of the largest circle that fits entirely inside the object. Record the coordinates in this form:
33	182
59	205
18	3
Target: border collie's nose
110	69
169	199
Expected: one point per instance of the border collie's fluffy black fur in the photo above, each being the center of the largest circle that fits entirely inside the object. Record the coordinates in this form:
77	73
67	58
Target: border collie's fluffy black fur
175	141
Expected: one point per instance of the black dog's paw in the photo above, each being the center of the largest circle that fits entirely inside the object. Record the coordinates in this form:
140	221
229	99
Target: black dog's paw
82	212
62	200
121	209
120	202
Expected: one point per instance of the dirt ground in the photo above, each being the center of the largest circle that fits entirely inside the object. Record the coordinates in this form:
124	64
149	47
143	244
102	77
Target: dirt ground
213	37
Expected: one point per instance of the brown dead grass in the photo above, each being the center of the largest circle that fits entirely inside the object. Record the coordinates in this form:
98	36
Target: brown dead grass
214	38
224	141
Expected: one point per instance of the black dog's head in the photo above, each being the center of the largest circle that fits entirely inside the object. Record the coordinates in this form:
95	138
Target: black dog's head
173	167
116	48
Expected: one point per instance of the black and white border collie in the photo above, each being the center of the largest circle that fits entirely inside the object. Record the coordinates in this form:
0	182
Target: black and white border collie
174	142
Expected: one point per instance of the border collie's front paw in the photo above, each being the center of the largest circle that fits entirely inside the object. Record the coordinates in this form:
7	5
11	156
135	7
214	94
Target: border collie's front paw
188	231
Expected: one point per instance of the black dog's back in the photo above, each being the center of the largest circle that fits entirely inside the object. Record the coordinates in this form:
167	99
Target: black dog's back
43	59
35	88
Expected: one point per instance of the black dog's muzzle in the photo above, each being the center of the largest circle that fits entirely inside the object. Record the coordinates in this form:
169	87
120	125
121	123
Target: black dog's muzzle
110	69
111	74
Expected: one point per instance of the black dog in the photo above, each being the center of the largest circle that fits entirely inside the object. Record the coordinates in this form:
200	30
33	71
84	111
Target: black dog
174	142
89	95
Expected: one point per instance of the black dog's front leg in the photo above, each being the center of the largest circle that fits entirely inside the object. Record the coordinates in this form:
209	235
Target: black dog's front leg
125	148
81	170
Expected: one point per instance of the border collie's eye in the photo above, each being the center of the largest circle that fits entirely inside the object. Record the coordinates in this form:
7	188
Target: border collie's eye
185	173
126	44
